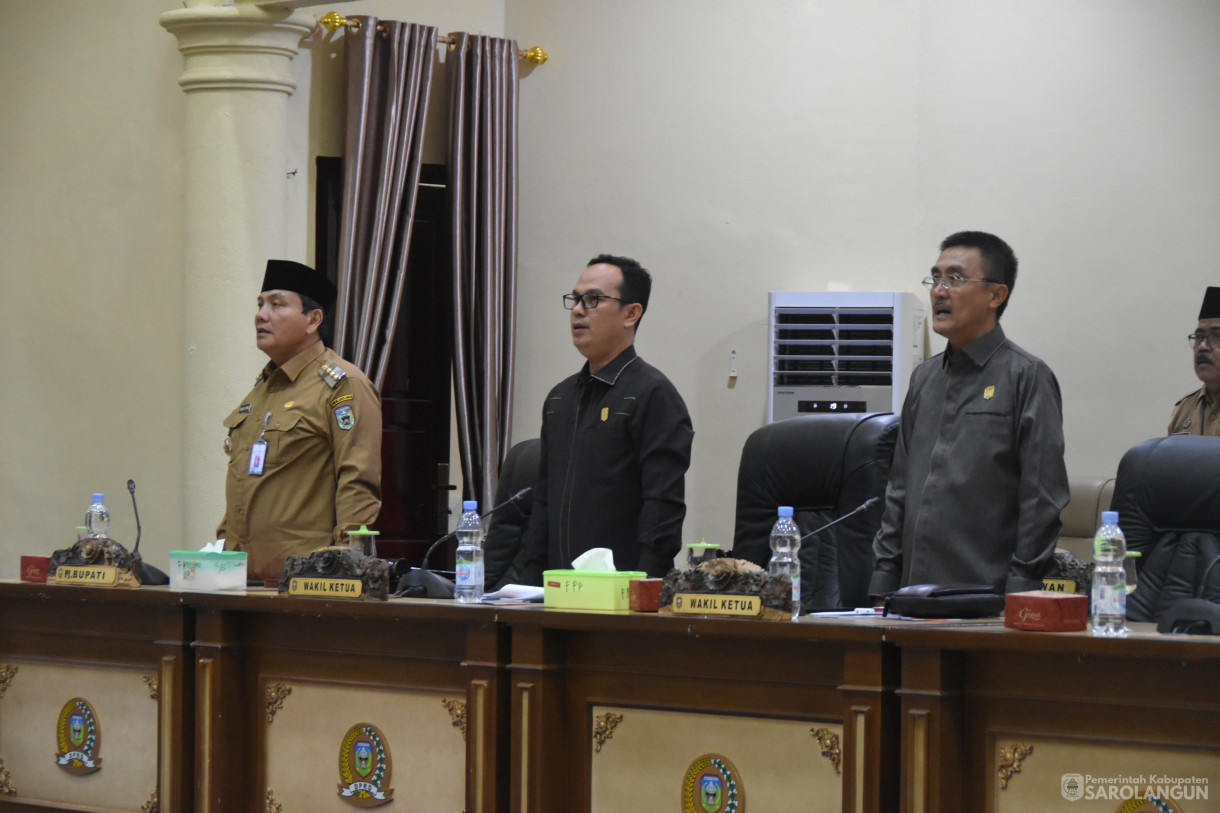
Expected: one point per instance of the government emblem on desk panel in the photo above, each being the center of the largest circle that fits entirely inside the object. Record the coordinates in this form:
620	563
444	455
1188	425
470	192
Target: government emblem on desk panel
79	737
712	785
364	767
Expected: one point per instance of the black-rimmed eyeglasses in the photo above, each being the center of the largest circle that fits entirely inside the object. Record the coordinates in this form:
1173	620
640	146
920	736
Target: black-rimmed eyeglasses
589	301
952	282
1212	336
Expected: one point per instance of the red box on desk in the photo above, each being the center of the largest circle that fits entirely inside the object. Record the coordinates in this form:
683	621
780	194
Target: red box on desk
34	568
1044	611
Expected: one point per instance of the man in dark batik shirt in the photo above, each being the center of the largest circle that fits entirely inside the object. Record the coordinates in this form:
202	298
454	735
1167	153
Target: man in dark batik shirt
978	478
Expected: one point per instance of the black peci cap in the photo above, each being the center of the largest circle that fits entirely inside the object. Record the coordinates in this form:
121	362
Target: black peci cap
286	275
1211	304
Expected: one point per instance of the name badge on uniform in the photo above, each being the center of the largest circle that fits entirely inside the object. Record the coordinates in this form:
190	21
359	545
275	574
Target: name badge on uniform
258	452
258	458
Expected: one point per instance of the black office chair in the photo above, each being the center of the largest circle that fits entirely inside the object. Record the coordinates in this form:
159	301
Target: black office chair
824	466
1167	495
503	553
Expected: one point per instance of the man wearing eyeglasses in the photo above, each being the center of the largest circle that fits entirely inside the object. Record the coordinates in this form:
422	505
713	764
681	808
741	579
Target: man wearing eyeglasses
616	438
978	479
1199	412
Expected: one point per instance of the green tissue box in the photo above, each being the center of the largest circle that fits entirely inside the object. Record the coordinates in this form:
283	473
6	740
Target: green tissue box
589	589
197	570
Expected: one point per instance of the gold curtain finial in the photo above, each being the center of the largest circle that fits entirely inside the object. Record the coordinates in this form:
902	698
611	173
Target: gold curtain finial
536	56
332	21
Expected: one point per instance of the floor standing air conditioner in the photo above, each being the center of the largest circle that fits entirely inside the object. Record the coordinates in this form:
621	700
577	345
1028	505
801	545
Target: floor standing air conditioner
842	351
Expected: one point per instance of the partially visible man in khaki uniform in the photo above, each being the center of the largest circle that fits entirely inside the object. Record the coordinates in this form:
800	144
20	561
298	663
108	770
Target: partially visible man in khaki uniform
1199	412
304	446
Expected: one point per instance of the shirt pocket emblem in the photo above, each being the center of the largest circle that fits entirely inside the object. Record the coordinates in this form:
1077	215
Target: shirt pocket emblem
605	413
989	392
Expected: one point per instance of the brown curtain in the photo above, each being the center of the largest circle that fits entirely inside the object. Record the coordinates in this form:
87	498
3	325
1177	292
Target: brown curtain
483	184
388	69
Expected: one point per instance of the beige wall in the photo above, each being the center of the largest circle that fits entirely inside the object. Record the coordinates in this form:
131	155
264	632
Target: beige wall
90	281
733	148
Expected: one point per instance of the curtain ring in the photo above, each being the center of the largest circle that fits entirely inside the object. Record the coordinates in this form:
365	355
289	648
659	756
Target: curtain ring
354	25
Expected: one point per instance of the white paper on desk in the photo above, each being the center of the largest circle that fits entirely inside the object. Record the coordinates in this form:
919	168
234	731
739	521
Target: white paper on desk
521	592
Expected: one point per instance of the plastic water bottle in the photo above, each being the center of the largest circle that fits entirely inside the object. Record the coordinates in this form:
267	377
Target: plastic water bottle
785	554
1109	599
469	555
97	519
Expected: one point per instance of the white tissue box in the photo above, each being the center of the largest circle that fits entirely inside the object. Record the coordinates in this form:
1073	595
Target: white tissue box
197	570
589	589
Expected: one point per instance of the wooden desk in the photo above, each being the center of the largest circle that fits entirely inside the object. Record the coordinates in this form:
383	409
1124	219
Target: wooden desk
524	709
282	681
975	697
126	654
611	712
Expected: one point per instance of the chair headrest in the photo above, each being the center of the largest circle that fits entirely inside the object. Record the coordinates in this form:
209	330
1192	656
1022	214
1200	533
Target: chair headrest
1173	481
801	461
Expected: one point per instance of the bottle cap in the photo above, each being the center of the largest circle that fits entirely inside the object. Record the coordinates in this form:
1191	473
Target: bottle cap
785	511
1109	517
470	505
98	496
364	531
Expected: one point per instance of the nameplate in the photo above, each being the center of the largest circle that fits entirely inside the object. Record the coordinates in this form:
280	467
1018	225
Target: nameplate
328	588
717	604
95	575
1059	585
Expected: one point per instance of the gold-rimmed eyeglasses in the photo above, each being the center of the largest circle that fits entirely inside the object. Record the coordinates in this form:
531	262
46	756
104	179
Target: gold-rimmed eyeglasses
952	282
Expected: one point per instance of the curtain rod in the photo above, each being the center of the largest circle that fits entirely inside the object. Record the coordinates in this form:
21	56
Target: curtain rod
333	21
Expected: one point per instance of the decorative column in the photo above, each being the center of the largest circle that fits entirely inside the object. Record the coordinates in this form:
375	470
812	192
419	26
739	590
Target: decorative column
237	82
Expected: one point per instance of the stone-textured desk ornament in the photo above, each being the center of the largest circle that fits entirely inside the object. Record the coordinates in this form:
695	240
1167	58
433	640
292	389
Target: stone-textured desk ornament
1068	573
95	561
336	572
727	587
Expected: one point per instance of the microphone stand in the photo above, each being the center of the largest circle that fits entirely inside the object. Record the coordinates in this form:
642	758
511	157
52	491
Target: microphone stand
864	506
420	582
148	574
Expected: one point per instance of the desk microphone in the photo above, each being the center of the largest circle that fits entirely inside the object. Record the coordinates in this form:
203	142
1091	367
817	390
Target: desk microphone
131	486
864	506
148	573
420	582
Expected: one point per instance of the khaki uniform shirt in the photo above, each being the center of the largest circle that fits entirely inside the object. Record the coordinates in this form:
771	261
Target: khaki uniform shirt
322	471
1196	414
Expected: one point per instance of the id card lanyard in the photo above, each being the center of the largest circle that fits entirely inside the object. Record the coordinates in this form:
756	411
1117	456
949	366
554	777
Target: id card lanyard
258	452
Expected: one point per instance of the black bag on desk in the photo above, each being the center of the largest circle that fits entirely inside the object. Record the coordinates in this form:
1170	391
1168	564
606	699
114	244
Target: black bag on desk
945	601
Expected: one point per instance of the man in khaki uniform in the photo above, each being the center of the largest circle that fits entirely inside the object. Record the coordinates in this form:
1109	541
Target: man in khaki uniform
1199	412
304	445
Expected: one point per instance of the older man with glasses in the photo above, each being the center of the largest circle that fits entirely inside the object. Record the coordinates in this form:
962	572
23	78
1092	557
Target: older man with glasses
616	438
1199	412
978	479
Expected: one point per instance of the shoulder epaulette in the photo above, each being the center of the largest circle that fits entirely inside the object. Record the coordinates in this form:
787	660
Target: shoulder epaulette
331	373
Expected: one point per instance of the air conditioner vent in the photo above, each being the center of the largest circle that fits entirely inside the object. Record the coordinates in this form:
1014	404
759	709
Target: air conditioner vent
837	351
